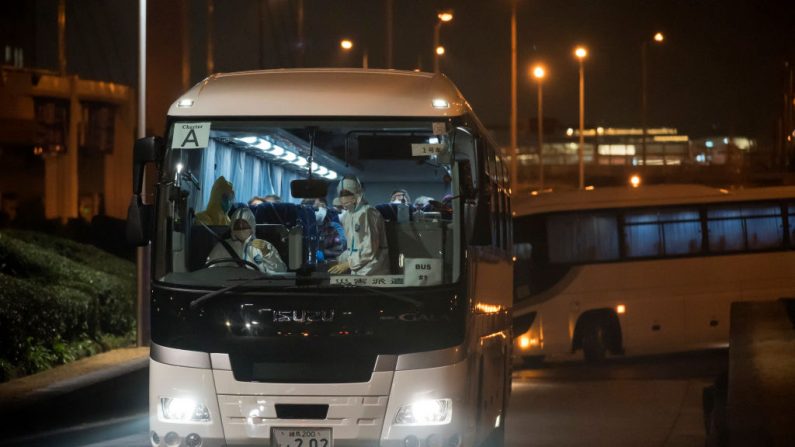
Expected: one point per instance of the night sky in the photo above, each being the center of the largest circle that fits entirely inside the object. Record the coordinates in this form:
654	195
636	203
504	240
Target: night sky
720	70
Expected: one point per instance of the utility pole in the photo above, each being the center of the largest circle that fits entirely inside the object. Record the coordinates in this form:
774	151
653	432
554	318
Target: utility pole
142	253
390	18
210	31
514	147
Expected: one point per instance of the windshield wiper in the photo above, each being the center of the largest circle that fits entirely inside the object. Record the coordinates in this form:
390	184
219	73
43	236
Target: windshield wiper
210	295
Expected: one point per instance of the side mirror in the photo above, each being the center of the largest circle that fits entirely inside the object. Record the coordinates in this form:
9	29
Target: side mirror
139	216
139	222
146	150
308	188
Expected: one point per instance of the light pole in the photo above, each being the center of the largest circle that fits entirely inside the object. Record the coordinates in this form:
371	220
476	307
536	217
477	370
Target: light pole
581	53
539	73
347	45
514	100
658	38
444	17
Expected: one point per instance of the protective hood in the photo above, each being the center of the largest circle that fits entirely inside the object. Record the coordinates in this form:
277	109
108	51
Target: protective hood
354	186
215	214
243	213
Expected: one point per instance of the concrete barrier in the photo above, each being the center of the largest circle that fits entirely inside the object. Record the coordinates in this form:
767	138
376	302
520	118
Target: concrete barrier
761	387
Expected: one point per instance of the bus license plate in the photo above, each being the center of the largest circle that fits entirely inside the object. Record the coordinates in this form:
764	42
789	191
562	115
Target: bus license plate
300	437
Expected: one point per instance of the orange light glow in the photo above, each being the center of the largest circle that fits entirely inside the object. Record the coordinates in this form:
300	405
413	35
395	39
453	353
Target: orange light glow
634	181
487	308
580	52
346	44
445	16
659	37
539	72
440	50
621	309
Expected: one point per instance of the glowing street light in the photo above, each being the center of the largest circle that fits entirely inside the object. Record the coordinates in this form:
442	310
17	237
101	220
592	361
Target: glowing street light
581	52
347	45
657	38
539	73
444	17
634	181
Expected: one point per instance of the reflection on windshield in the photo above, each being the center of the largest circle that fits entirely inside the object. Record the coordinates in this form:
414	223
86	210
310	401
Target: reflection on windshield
387	218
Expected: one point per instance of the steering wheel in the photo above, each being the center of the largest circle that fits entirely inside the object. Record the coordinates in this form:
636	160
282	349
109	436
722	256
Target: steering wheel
240	262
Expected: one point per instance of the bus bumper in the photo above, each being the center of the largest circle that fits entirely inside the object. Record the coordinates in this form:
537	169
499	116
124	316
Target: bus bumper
360	414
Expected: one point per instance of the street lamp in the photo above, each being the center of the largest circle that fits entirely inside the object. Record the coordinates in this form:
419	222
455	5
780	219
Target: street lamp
581	53
657	38
347	45
539	73
444	17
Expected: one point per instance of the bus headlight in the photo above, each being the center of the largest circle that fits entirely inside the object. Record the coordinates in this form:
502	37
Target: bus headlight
426	412
184	410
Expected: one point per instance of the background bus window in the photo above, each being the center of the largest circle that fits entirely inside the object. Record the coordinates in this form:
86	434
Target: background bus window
764	227
582	238
667	233
745	227
642	235
791	221
725	229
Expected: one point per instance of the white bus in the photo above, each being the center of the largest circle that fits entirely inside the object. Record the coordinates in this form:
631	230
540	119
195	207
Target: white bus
645	270
416	356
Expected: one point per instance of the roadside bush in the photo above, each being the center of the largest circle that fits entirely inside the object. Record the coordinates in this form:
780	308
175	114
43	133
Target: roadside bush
59	301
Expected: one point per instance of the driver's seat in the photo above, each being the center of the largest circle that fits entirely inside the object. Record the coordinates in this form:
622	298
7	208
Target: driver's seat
202	242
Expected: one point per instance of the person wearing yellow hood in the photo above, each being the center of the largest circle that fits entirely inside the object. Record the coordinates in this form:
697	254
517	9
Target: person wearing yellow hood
222	196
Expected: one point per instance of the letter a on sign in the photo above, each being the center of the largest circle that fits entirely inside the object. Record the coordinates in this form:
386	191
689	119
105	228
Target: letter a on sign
191	135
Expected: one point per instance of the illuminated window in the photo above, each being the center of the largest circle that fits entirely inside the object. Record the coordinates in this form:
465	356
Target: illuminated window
582	238
662	233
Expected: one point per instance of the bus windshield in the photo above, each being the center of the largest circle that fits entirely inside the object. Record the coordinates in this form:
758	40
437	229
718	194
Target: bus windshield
389	216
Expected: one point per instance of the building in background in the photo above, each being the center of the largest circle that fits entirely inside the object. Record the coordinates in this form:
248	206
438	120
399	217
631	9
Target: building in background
65	145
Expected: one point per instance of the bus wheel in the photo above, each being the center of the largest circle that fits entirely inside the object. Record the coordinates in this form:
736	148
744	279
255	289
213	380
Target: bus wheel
594	341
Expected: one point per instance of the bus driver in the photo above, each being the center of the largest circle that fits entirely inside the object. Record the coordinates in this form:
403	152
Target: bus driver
367	251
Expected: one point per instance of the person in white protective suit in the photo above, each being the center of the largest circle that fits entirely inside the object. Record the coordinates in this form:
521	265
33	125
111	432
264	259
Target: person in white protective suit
367	251
257	251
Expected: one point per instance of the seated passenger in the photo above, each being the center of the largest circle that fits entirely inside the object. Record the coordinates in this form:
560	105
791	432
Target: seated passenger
367	251
270	198
421	202
222	196
330	231
400	196
257	251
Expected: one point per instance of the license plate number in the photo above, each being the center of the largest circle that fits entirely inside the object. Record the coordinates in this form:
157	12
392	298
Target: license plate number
301	437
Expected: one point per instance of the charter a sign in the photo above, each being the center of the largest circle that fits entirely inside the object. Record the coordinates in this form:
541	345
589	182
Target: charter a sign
191	136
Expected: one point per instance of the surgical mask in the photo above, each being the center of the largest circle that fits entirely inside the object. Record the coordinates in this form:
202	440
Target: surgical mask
349	206
320	214
226	203
241	235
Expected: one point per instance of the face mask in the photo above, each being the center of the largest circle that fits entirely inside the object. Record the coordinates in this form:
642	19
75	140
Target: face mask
349	206
241	235
226	203
320	214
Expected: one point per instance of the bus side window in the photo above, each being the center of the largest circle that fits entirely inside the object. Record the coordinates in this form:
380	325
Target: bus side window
791	224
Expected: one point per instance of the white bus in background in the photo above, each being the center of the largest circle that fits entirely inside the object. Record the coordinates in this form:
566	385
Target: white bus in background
645	270
418	356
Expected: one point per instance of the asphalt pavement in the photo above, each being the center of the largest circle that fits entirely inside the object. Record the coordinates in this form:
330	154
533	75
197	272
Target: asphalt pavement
71	404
